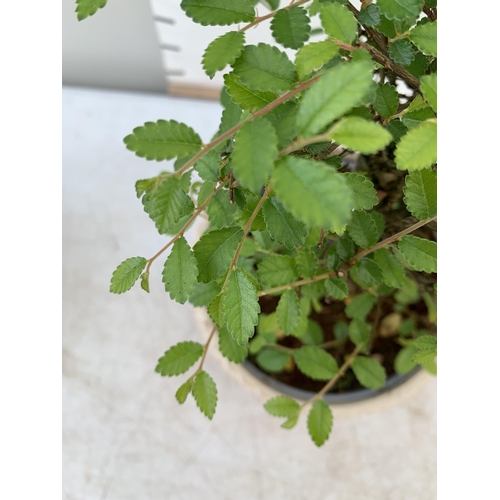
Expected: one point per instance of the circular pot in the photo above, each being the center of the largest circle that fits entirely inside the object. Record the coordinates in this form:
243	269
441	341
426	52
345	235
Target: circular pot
396	389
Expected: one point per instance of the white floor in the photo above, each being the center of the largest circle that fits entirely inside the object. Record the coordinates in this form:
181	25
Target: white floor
124	435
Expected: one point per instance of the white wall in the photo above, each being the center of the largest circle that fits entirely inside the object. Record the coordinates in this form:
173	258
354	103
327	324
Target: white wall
115	48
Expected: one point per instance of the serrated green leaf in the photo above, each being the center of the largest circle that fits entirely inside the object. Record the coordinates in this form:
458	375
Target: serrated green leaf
163	140
183	391
338	22
208	167
277	270
362	229
345	248
319	422
240	307
413	119
361	135
370	373
419	252
421	193
204	293
312	192
364	194
221	212
313	334
219	12
284	120
424	36
397	129
291	422
244	214
403	362
168	205
223	51
359	331
360	306
214	310
368	272
400	9
282	406
423	357
145	282
386	100
408	293
428	86
230	349
245	97
369	16
254	153
401	52
334	94
283	227
288	312
215	251
315	363
307	263
179	358
265	68
126	274
418	148
205	393
426	343
86	8
290	27
337	288
313	56
230	117
180	271
392	270
272	360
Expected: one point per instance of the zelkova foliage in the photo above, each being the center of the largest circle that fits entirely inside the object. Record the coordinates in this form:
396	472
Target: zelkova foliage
320	187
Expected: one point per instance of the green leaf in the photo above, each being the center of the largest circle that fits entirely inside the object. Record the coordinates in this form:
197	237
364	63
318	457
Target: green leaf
428	86
265	68
204	293
364	194
370	373
272	360
386	100
277	270
392	270
419	252
223	51
426	343
208	167
408	293
319	422
282	406
126	274
361	135
337	288
397	129
145	282
230	349
205	393
215	251
163	140
424	357
421	193
230	117
345	248
284	118
183	391
334	94
359	331
313	192
214	310
313	334
401	52
368	272
86	8
338	22
307	263
362	229
360	306
288	312
283	227
291	422
418	148
290	27
313	56
400	9
254	152
315	363
219	12
179	358
244	214
221	212
245	97
369	16
180	271
403	362
413	119
424	36
240	306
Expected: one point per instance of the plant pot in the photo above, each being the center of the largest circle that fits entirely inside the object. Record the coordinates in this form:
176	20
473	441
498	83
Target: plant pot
396	389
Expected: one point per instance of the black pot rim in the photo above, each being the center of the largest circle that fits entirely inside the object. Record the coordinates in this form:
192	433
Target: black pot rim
331	398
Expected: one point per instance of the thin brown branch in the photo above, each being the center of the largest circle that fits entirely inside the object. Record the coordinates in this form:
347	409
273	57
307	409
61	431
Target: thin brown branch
205	350
258	20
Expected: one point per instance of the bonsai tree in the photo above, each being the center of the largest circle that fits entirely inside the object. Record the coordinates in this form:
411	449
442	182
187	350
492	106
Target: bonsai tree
320	191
